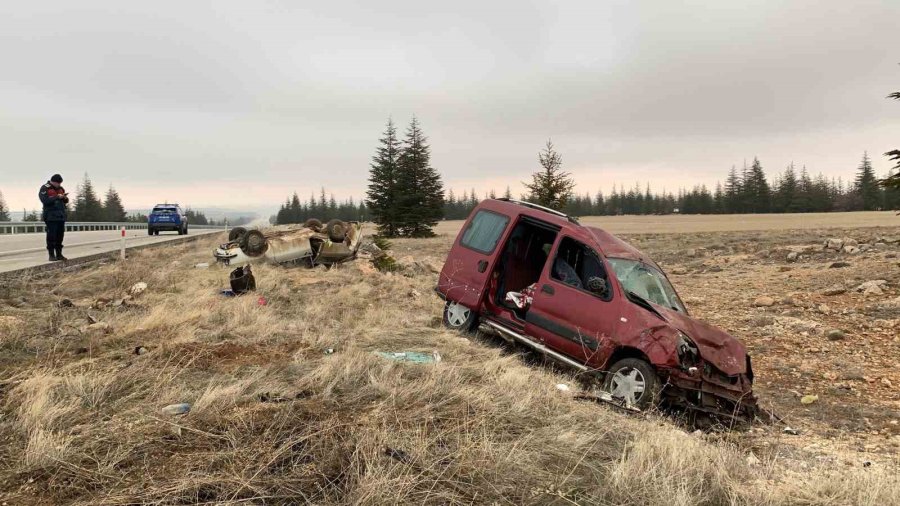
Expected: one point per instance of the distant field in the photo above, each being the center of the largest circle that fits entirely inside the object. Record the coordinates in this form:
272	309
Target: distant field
724	223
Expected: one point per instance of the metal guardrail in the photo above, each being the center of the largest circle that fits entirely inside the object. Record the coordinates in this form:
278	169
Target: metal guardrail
34	227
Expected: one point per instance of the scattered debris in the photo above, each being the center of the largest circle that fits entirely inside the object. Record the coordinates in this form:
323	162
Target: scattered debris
176	409
65	303
242	280
262	301
139	350
137	289
411	356
203	265
228	293
793	432
563	387
328	351
809	399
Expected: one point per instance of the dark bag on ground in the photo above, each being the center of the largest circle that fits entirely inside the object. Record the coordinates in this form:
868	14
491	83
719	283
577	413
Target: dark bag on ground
242	280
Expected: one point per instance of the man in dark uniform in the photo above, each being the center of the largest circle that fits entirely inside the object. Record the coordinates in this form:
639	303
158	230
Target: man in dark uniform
53	197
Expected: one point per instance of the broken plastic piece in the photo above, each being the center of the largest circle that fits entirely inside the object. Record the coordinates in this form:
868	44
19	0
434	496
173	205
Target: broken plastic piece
176	409
411	356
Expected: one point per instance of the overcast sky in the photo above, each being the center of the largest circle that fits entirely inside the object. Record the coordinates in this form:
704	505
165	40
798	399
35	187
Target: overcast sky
238	104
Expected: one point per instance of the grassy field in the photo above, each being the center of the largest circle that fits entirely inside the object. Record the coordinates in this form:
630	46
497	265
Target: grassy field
723	223
277	417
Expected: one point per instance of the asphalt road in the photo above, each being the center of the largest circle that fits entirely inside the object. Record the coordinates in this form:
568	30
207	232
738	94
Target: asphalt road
19	251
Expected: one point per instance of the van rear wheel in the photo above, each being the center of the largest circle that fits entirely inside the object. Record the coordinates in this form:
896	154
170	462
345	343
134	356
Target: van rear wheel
634	382
459	317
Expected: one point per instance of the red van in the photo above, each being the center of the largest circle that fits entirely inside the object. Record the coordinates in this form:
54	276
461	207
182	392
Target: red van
589	299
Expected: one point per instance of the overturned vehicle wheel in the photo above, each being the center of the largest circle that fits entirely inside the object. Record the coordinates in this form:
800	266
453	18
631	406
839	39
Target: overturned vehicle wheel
254	243
238	235
313	224
336	230
459	317
634	382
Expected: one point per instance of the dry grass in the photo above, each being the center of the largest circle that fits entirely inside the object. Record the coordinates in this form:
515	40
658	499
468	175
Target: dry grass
277	420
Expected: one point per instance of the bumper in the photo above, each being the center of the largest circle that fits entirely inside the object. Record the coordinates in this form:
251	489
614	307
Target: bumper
711	395
164	226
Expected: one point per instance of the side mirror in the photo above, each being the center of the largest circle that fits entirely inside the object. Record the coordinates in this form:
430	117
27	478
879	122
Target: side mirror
598	286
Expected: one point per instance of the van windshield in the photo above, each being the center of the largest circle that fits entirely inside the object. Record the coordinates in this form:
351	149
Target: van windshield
646	282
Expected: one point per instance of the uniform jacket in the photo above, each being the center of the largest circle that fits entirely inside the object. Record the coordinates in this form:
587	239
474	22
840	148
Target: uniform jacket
54	201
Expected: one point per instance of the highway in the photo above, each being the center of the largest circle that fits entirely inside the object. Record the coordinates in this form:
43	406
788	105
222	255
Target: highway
19	251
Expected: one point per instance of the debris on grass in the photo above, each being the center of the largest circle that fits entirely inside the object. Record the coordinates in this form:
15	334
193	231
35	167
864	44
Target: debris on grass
176	409
415	357
137	289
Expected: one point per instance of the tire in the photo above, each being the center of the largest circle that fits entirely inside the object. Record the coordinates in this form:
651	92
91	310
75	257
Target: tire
185	230
149	231
156	232
459	317
336	230
180	231
237	234
627	376
255	243
313	224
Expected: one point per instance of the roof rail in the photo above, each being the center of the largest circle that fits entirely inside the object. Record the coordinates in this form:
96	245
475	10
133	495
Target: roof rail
541	208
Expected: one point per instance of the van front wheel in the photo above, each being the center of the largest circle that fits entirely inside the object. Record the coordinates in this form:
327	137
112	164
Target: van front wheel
459	317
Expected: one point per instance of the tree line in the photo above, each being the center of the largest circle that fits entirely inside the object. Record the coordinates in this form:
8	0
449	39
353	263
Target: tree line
324	209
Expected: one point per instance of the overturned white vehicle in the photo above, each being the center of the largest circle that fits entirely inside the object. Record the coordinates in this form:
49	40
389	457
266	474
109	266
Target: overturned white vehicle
312	244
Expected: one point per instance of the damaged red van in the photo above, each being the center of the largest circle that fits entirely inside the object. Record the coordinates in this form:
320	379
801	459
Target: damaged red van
590	300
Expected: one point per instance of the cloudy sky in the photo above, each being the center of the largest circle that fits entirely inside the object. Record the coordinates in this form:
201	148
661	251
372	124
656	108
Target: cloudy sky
238	104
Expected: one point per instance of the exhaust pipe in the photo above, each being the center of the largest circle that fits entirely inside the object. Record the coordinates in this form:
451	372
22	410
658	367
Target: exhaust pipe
537	346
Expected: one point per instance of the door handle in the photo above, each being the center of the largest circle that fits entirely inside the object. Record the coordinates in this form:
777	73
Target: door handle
482	265
548	289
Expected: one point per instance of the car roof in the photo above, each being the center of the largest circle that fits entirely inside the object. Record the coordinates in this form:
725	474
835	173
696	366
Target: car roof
609	244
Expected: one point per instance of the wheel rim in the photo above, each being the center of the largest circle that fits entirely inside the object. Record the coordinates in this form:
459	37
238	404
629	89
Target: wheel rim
628	384
457	314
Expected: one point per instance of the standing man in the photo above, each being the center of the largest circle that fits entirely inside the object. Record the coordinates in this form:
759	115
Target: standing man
53	197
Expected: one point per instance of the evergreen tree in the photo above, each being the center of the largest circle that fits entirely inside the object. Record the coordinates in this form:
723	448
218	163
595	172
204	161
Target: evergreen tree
785	200
756	189
87	205
893	179
113	210
420	192
733	192
507	194
4	211
550	187
32	216
866	185
382	194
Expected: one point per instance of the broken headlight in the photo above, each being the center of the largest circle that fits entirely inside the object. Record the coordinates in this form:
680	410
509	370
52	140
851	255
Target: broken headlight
688	355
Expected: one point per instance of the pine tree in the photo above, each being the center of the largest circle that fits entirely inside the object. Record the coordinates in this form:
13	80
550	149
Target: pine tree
893	179
786	193
382	194
4	211
756	189
733	192
420	192
87	205
507	194
866	185
550	187
113	210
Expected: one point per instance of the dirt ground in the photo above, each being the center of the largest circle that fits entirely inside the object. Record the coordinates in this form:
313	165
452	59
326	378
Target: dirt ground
721	265
289	403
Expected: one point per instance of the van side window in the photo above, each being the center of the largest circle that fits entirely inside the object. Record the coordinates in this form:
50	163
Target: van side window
580	267
484	231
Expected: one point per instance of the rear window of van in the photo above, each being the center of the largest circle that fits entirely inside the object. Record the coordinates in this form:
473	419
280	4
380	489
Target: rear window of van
484	231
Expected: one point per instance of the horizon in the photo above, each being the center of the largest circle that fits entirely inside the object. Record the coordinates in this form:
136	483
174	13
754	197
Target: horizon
199	103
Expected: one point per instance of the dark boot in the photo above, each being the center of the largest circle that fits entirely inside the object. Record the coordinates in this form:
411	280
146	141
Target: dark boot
59	255
52	255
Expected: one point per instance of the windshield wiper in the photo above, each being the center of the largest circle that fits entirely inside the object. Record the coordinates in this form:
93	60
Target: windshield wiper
640	301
